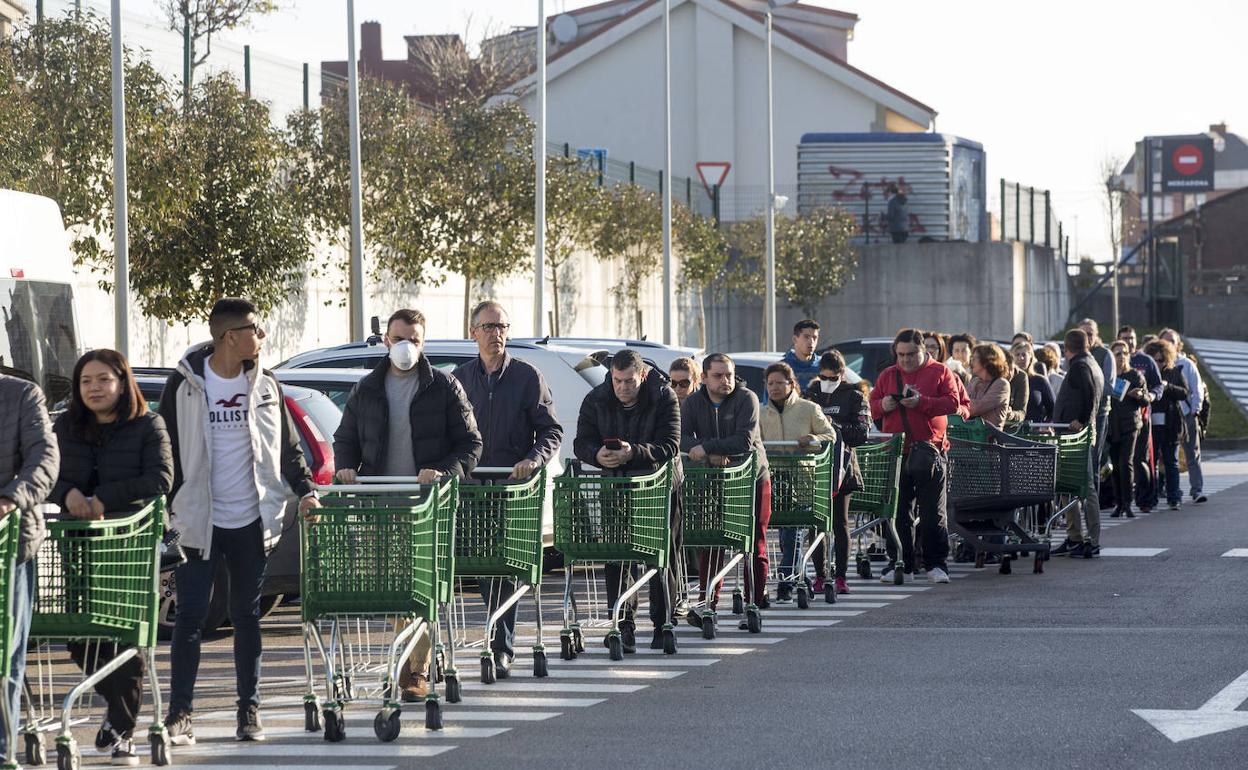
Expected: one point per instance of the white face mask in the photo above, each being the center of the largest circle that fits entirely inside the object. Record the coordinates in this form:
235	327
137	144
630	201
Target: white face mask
404	355
827	386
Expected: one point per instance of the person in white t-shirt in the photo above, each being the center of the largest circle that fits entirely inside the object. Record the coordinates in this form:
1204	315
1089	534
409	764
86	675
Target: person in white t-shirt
235	452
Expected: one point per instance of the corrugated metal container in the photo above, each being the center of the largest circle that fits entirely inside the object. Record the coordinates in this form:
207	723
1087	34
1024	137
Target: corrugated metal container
943	177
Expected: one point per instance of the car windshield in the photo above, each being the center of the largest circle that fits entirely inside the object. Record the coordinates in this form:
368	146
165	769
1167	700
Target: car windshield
337	391
323	412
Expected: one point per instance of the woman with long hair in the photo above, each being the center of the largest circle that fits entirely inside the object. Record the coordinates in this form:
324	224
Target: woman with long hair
1168	425
115	457
1123	426
1039	392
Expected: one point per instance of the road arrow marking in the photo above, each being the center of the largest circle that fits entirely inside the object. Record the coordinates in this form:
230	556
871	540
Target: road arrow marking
1216	716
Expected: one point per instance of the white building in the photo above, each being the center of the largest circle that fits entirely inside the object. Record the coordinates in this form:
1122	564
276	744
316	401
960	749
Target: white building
605	85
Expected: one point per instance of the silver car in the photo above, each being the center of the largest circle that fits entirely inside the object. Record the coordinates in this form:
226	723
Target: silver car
654	353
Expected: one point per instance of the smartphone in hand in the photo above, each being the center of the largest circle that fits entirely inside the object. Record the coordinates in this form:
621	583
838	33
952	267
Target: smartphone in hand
613	444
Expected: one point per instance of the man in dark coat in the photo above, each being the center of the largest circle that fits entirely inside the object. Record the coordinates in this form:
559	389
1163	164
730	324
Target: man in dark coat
516	416
630	426
407	418
1079	403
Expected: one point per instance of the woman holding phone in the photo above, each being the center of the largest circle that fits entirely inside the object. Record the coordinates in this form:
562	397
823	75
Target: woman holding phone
1123	427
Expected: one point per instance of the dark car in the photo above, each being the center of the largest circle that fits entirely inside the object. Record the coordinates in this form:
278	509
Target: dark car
316	418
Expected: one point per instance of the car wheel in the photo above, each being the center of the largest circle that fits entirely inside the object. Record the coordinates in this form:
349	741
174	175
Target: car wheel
218	606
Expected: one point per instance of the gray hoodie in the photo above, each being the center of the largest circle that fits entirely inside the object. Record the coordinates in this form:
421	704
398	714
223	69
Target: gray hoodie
29	460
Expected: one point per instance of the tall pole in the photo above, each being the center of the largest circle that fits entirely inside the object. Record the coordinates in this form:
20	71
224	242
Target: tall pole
667	174
539	163
357	228
769	299
121	235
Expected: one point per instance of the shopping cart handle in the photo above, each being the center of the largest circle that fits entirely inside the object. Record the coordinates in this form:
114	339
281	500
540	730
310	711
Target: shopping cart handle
358	489
1060	425
791	444
493	470
880	435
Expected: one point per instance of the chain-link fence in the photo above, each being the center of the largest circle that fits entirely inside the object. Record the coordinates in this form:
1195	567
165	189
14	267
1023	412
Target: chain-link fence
1027	215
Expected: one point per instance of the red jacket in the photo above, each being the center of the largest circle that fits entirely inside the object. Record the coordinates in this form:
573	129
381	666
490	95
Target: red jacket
940	394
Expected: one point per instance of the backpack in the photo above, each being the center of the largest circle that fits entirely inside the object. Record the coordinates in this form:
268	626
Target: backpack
1202	417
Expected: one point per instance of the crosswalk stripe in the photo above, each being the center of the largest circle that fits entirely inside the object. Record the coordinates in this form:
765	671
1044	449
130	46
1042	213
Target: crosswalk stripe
318	747
412	720
474	689
624	672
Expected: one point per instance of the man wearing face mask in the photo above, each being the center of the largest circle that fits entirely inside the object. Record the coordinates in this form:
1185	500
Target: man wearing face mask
407	418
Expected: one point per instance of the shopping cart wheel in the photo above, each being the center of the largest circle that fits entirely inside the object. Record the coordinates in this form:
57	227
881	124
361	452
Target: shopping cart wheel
615	646
578	639
864	567
335	728
1037	566
539	664
454	694
67	755
387	726
738	603
669	641
708	625
488	675
567	648
803	598
36	751
899	576
433	715
160	748
1004	569
753	620
311	717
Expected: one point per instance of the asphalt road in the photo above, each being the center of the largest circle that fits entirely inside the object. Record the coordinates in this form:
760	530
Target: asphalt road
1021	670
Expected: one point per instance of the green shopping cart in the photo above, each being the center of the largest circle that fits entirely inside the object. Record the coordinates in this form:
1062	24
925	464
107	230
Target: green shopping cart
622	519
498	535
380	555
801	496
717	506
874	507
96	584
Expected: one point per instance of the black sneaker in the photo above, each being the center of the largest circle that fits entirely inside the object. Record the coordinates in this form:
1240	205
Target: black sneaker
1130	513
1201	499
656	641
105	738
1090	551
784	595
178	728
628	636
124	754
1068	546
764	603
249	727
694	618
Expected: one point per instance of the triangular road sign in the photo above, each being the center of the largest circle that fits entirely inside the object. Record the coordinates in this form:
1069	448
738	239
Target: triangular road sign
713	173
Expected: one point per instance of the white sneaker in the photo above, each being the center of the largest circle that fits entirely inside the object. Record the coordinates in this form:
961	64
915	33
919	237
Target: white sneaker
887	575
937	575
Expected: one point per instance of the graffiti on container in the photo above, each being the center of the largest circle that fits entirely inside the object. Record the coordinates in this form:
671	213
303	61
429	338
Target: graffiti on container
856	186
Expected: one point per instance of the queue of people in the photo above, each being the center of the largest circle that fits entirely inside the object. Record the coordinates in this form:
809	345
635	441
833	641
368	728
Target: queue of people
223	449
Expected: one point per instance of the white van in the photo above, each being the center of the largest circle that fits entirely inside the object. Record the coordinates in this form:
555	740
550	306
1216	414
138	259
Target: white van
39	340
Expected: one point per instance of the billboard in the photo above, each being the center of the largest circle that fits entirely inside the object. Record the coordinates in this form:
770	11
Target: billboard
1187	164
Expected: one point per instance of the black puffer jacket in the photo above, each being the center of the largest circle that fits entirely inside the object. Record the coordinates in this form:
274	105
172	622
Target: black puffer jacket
848	410
1124	413
444	430
1174	393
130	463
652	427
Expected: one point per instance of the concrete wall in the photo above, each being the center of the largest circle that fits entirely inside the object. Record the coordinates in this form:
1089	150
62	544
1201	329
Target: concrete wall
989	289
1223	317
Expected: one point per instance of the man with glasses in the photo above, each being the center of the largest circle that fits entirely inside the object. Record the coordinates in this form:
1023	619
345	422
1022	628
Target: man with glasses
516	416
683	376
407	418
235	452
915	397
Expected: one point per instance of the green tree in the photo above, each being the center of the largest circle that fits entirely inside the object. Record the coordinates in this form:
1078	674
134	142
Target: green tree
484	224
401	152
245	234
814	256
573	198
57	118
629	231
704	255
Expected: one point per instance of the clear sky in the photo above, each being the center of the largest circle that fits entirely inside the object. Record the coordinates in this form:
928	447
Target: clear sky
1049	88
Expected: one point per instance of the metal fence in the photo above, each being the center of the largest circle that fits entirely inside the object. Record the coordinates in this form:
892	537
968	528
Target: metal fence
1027	215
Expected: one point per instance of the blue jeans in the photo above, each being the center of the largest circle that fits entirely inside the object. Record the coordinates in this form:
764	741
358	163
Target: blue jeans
23	591
788	553
1169	450
243	553
495	591
1191	448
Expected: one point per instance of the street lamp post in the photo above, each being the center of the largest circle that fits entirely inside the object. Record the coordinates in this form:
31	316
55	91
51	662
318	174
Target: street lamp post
539	162
357	227
769	299
667	173
121	235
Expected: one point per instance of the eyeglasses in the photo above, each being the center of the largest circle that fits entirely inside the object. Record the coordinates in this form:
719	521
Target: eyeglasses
681	383
494	327
256	327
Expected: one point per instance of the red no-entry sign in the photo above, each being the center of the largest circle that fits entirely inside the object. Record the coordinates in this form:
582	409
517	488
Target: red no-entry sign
1188	159
1187	164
